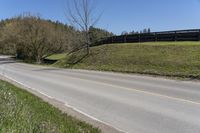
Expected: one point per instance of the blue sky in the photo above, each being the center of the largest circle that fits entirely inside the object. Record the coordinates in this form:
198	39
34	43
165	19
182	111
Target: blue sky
118	15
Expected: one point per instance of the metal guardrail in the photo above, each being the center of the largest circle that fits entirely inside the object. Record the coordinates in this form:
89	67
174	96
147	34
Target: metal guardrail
178	35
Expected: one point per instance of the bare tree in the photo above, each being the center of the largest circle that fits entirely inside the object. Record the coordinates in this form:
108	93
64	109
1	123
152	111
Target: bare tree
32	38
80	14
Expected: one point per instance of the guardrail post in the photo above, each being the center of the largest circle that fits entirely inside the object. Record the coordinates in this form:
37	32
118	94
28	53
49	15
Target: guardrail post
175	36
156	39
112	39
139	37
199	35
124	38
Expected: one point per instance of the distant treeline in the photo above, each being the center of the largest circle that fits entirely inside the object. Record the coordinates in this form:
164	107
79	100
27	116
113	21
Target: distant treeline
32	38
179	35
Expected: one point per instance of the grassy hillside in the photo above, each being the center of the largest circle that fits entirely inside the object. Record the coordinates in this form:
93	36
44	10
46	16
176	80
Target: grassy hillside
56	56
21	112
179	59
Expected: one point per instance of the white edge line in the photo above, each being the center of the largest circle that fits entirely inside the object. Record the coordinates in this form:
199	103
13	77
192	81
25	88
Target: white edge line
87	115
66	104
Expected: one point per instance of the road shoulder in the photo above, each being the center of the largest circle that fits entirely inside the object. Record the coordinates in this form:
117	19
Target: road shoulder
65	109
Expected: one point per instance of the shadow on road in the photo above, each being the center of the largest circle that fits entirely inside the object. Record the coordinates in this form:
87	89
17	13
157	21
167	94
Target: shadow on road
6	60
46	69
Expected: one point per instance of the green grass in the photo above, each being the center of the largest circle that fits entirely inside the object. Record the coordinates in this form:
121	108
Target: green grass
176	59
56	56
186	43
22	112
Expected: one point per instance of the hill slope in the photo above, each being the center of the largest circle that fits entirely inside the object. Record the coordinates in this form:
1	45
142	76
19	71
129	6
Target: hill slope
178	59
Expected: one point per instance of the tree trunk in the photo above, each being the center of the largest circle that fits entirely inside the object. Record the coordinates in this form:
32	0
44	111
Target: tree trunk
39	60
88	43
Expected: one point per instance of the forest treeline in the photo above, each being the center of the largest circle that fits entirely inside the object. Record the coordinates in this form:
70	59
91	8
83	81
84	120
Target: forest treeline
33	38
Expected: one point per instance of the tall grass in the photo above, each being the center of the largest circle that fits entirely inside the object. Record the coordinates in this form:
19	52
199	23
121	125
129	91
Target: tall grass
21	112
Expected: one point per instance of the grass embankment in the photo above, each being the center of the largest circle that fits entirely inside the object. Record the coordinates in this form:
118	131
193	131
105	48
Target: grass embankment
176	59
21	112
56	56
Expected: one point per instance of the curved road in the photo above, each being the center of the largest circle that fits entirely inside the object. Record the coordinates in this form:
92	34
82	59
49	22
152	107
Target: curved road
131	103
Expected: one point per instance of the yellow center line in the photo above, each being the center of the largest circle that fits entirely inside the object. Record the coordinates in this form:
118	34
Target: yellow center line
137	90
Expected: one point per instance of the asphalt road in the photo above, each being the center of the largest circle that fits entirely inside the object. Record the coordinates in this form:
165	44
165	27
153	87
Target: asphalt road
132	103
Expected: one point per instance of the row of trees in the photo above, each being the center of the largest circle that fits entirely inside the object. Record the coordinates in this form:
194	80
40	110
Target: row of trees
146	30
30	37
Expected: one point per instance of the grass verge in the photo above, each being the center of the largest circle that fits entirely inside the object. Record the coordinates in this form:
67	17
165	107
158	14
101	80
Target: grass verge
175	59
56	56
22	112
